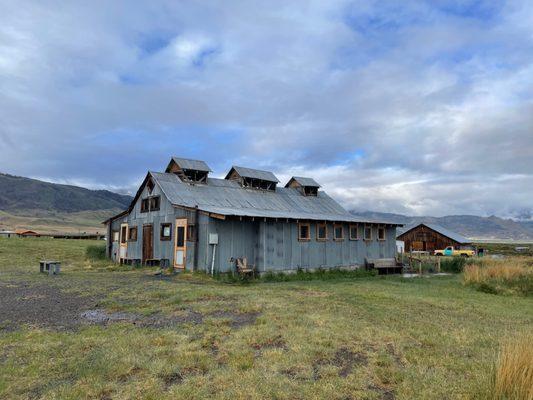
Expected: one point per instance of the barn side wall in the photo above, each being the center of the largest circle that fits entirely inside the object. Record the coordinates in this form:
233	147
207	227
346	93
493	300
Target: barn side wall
274	246
280	249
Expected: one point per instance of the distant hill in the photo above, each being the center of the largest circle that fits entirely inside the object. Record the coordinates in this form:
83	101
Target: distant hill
30	203
471	226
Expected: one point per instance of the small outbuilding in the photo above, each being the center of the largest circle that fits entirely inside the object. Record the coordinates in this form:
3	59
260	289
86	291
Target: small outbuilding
7	234
430	237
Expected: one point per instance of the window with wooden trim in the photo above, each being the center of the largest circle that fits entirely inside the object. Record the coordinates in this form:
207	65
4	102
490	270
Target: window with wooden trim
150	204
123	234
166	231
368	232
304	231
321	232
115	236
155	203
381	233
354	232
191	233
132	234
338	232
145	205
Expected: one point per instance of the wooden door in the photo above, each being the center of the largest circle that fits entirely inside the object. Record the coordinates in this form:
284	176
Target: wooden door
180	243
148	242
123	240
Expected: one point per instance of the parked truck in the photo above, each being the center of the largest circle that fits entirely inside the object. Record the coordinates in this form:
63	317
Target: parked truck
450	251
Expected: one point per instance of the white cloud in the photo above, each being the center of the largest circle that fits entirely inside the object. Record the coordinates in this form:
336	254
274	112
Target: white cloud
415	107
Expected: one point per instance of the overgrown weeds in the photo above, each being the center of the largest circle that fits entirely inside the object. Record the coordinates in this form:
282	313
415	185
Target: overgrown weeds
513	372
95	253
513	275
453	264
299	275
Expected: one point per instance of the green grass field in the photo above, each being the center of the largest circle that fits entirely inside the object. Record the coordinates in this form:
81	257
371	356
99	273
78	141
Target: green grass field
188	336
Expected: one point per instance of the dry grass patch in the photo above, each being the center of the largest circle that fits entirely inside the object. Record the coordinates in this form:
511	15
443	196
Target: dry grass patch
513	275
513	375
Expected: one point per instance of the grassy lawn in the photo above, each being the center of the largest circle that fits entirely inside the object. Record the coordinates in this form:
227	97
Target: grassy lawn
190	337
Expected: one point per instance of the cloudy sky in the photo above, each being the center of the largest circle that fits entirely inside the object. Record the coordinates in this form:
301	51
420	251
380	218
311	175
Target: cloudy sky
417	107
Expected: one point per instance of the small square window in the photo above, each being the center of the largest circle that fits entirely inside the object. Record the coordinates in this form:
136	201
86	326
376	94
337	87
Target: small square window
304	231
132	234
354	232
321	232
338	232
368	232
166	231
381	233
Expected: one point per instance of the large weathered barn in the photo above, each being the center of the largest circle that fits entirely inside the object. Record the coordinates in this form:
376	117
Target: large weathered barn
430	237
189	220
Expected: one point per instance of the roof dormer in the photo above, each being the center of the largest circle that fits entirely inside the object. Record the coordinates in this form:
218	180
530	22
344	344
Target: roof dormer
307	186
253	178
189	170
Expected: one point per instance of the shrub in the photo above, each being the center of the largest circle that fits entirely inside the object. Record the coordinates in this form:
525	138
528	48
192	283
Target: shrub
453	264
513	372
95	252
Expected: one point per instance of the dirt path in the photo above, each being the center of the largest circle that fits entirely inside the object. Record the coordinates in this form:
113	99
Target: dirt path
40	305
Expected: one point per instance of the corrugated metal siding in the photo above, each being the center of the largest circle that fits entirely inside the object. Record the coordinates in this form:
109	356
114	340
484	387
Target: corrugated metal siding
186	163
255	174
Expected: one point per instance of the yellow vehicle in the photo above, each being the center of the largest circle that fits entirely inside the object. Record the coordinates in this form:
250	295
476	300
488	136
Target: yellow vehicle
450	251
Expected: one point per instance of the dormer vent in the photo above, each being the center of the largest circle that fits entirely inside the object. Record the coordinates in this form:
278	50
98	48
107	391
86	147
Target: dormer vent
189	170
253	178
307	186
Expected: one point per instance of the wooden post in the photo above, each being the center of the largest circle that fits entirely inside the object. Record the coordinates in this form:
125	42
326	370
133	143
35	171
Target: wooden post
420	267
438	264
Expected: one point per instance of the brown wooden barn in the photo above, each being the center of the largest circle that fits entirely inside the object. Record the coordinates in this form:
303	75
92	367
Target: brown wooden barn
430	237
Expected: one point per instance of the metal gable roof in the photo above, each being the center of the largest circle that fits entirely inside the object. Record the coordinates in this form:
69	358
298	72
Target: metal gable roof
443	231
227	197
304	181
186	163
255	174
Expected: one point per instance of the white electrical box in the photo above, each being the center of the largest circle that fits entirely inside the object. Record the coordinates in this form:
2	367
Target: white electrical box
213	238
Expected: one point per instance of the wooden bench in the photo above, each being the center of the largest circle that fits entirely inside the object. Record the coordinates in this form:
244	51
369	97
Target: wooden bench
384	266
50	267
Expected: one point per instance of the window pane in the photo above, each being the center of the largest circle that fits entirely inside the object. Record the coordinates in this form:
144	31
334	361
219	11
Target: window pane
353	232
166	231
304	231
321	231
338	232
180	236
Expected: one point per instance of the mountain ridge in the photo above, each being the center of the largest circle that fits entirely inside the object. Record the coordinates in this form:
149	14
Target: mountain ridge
471	226
52	207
